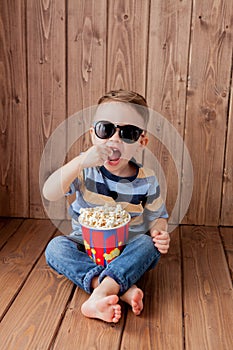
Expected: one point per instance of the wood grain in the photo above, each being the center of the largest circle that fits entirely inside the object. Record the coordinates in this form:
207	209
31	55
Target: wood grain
57	58
7	228
208	303
207	101
227	196
87	21
19	255
227	237
86	53
168	50
39	307
168	59
13	111
46	86
86	333
161	320
127	44
191	284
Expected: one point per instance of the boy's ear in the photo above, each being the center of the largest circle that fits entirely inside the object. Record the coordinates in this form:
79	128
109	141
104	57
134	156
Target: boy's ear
92	133
143	140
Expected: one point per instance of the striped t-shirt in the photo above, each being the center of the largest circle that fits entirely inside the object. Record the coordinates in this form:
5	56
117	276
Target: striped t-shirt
138	194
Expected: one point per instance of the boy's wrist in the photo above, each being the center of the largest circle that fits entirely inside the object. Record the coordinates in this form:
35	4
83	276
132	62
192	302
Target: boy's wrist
159	225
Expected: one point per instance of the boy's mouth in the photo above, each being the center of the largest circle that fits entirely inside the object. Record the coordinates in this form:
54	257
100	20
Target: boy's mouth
115	157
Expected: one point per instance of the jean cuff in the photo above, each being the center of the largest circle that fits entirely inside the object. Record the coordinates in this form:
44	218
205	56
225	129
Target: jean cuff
96	271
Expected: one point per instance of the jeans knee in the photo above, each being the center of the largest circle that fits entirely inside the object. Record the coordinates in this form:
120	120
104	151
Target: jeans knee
145	240
55	248
148	245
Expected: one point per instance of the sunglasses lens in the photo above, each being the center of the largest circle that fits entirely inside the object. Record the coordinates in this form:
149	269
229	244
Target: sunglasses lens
130	133
104	130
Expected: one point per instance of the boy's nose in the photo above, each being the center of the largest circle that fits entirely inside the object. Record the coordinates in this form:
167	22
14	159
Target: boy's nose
116	135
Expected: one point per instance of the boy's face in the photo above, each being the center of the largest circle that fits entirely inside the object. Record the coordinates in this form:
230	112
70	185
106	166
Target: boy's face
119	113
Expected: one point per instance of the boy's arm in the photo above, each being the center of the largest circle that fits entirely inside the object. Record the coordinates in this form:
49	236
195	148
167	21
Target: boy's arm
160	236
59	182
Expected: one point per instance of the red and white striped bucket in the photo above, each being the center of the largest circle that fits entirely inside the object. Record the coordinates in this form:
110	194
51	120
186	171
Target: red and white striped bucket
105	244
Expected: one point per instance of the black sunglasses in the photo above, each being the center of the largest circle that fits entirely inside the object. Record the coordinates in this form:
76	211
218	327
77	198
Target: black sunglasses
128	133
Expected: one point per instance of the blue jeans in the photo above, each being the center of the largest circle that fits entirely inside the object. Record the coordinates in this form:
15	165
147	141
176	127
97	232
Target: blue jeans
66	258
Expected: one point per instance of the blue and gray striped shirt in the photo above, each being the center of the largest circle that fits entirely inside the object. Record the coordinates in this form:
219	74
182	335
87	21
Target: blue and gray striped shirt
139	195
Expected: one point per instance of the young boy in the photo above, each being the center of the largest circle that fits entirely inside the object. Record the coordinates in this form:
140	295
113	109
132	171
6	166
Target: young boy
107	173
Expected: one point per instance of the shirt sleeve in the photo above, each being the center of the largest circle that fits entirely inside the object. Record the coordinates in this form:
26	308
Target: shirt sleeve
154	207
74	186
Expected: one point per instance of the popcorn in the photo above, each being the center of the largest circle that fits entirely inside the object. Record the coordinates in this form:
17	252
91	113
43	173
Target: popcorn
104	216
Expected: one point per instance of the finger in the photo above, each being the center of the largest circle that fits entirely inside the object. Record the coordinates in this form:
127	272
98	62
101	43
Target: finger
163	251
161	241
108	150
154	233
162	238
164	234
162	246
105	154
104	149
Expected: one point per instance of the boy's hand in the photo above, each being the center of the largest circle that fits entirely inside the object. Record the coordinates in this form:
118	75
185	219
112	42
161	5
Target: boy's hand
96	156
161	240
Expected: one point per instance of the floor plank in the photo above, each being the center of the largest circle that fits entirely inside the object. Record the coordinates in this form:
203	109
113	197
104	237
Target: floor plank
39	307
161	320
19	255
86	333
208	301
188	297
7	228
227	237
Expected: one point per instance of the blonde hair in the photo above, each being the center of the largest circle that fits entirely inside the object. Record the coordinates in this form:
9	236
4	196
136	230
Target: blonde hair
126	96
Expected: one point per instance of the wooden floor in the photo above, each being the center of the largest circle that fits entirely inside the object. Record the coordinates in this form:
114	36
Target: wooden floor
188	297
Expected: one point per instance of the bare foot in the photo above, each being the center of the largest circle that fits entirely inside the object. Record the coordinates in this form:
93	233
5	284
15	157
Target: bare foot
134	297
102	307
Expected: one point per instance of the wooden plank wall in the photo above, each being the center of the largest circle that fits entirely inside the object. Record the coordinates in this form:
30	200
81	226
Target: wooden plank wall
58	56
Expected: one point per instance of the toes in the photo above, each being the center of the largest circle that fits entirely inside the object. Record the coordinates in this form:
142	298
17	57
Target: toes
116	318
105	309
117	310
117	315
137	305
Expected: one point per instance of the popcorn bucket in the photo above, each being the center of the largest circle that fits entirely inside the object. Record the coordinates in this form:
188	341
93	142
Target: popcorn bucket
104	244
